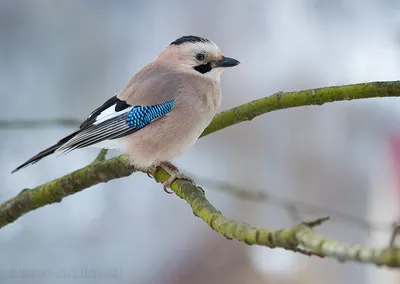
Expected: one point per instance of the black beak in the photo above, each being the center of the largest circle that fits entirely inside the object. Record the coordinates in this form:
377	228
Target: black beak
226	62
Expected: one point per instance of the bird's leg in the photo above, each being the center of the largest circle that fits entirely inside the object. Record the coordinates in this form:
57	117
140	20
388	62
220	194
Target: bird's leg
175	174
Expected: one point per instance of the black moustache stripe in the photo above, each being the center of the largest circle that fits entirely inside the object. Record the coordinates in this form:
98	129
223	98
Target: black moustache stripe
203	68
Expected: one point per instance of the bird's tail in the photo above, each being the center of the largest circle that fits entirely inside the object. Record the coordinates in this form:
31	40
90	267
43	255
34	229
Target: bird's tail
45	152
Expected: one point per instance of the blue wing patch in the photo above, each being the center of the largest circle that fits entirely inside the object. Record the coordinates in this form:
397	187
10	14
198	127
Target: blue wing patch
139	117
114	124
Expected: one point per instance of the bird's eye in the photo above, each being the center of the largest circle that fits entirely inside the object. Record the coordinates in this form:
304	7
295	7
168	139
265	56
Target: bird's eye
200	56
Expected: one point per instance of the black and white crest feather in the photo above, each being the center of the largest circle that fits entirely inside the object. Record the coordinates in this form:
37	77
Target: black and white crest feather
190	38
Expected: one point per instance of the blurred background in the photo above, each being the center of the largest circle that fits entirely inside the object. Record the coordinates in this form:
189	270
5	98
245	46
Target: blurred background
61	59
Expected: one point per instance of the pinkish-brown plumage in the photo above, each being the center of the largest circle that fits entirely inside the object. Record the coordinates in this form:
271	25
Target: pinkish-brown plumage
196	100
187	73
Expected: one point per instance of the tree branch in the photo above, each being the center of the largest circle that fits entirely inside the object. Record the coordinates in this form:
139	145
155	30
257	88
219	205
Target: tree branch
248	111
38	123
319	96
302	234
320	245
54	191
293	207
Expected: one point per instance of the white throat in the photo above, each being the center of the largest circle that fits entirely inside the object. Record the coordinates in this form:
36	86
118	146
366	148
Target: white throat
215	74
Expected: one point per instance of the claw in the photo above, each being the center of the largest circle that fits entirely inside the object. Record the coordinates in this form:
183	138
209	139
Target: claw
152	168
175	174
168	182
167	191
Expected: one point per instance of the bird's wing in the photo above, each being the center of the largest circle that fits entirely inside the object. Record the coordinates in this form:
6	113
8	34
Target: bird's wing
115	119
150	94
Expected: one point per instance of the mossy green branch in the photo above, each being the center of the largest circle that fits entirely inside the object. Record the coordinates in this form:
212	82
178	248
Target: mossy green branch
103	171
248	111
310	97
294	238
320	245
202	208
54	191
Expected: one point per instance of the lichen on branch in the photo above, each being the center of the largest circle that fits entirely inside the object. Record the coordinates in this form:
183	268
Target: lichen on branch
300	238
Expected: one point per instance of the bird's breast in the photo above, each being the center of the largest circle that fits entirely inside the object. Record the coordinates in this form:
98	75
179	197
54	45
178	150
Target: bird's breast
174	133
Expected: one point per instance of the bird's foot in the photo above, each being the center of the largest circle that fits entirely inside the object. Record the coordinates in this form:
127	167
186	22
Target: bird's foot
175	174
150	170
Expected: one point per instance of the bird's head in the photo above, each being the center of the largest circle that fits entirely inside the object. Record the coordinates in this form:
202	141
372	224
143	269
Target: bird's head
196	54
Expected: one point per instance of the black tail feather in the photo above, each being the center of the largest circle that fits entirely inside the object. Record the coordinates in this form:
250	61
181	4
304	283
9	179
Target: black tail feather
45	152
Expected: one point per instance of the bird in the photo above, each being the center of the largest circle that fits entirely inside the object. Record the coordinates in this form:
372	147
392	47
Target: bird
160	113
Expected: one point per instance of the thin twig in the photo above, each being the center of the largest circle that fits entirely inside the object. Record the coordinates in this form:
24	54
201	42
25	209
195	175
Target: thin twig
294	207
38	123
101	156
395	234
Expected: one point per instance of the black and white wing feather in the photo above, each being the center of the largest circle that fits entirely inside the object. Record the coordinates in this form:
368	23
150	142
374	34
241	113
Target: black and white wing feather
103	123
112	120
